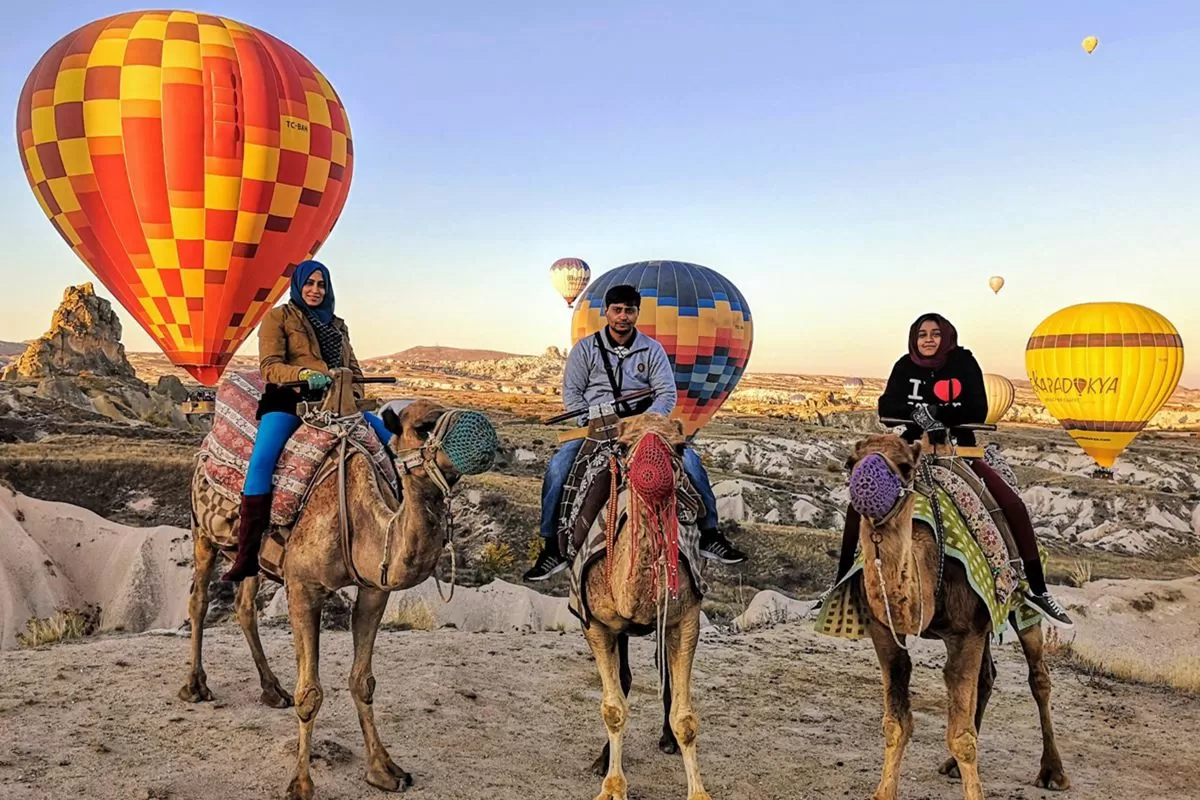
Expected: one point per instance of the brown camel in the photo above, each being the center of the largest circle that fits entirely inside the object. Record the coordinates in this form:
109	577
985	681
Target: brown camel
631	606
907	551
313	568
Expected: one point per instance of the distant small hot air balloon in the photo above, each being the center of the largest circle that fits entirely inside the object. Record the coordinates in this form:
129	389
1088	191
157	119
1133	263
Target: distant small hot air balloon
798	397
569	276
996	282
699	317
853	387
1000	396
1089	44
1103	370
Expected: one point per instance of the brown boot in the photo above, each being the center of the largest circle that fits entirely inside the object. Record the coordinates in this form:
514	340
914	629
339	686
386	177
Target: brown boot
253	519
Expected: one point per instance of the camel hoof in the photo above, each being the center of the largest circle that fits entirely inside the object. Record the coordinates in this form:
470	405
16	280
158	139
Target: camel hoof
383	779
950	769
614	788
275	697
195	691
397	772
700	796
1053	779
299	789
669	745
600	765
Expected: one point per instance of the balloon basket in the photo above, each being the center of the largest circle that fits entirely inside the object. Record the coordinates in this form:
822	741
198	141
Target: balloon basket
1104	474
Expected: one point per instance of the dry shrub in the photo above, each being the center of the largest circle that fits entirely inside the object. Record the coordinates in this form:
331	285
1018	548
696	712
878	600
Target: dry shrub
412	614
1182	673
496	558
62	626
1080	574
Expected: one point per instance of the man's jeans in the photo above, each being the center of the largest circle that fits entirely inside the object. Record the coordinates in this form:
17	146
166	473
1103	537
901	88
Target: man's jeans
560	467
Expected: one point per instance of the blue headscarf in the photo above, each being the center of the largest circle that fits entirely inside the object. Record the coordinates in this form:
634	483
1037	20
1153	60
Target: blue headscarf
303	272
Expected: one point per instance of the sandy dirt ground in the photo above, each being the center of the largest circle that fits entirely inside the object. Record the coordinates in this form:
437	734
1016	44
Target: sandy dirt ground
785	713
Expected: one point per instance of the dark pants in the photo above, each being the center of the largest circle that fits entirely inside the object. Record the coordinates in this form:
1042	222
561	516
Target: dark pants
1010	503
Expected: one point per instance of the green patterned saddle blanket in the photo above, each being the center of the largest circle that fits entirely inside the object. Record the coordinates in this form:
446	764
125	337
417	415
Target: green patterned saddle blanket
845	613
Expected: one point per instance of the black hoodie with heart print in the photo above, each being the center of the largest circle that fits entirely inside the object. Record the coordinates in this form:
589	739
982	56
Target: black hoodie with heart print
954	393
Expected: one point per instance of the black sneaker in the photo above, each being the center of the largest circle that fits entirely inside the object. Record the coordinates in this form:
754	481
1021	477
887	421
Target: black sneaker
548	564
1049	607
715	546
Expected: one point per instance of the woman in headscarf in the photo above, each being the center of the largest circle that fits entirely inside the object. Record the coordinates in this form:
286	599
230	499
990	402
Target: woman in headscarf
301	340
939	386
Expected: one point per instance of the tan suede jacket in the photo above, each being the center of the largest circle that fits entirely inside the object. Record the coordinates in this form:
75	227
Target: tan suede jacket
287	344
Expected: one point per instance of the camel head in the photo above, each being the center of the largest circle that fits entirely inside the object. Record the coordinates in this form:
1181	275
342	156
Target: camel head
653	446
457	441
882	471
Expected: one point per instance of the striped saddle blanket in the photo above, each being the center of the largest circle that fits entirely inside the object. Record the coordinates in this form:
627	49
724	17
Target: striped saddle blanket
225	452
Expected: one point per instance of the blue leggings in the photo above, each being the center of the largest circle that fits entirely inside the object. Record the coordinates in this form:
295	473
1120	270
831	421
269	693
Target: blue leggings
274	430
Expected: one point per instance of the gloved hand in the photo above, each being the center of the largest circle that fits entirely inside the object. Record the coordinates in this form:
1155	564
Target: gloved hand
923	416
316	380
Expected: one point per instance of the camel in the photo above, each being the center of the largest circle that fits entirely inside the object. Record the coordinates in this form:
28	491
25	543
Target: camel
630	606
907	550
408	535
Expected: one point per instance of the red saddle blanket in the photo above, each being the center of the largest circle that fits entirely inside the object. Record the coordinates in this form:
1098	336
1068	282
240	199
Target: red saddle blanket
225	452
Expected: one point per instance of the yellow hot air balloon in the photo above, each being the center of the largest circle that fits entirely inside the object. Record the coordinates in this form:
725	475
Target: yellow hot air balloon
1089	44
1000	395
569	276
1103	370
996	282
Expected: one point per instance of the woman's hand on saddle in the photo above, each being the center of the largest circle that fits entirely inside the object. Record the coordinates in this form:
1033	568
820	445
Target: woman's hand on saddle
923	416
316	380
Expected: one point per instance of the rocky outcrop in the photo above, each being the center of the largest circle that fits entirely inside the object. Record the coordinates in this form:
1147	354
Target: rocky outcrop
84	339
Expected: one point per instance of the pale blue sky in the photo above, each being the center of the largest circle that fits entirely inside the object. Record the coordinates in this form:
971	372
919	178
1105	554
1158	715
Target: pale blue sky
848	166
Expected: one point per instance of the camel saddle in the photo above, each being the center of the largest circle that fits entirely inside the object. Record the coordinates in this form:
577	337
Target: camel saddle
225	452
590	485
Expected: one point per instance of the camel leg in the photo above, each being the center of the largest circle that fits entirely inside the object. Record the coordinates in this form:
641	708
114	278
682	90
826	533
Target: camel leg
964	658
667	742
600	765
614	708
987	679
895	667
304	611
1050	775
204	554
273	693
382	772
681	651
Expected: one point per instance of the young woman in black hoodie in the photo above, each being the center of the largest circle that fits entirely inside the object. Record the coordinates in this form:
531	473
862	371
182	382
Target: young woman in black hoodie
939	386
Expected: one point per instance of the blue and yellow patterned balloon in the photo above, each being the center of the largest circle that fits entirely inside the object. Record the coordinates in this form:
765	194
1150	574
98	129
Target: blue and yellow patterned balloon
699	316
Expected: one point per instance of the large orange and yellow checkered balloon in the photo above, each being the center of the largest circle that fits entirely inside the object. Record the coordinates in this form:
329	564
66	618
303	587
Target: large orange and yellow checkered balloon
191	161
700	318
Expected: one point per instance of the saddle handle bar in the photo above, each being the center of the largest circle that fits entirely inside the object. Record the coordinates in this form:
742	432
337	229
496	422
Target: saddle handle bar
625	398
303	384
970	426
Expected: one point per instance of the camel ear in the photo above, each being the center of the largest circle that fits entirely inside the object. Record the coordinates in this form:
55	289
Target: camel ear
392	422
916	449
855	455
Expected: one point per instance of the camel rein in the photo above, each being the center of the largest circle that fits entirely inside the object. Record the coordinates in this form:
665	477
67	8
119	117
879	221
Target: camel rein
406	461
927	487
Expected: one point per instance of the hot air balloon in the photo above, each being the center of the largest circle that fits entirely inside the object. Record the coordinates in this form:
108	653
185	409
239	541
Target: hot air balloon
852	387
996	283
1089	44
1000	396
699	316
191	162
569	276
1103	370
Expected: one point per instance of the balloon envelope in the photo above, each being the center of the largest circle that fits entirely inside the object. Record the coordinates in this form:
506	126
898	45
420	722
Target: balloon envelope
1089	44
699	317
853	387
569	276
1000	396
190	161
1103	370
996	283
